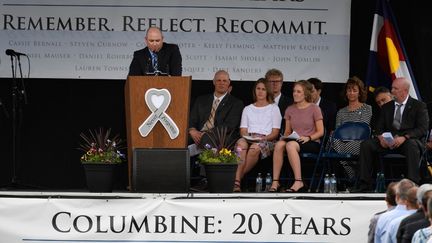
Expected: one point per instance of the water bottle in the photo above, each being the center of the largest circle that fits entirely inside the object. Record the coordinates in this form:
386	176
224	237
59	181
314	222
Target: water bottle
268	182
326	184
333	184
381	188
259	183
380	183
377	182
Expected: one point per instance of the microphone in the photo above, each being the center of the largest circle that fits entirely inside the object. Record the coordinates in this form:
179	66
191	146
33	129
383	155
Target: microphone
11	52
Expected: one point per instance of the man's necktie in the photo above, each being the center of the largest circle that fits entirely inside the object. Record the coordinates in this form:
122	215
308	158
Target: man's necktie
210	122
398	117
154	61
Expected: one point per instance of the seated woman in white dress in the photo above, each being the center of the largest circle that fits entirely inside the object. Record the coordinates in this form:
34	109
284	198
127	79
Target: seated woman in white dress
260	120
305	118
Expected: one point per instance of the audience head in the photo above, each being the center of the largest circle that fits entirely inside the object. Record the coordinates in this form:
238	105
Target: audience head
429	209
275	78
382	95
391	193
154	39
400	89
403	187
302	90
412	198
262	83
221	82
317	88
355	90
422	192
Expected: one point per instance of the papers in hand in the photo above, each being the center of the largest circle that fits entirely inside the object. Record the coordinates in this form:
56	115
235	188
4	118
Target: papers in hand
293	136
251	139
194	150
388	137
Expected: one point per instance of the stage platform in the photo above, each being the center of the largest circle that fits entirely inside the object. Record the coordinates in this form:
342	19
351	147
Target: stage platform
190	195
78	216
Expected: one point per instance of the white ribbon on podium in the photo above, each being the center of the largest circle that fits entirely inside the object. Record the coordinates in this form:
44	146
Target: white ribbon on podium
158	101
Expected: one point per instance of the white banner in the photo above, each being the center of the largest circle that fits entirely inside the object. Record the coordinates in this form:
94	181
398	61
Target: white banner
185	220
96	39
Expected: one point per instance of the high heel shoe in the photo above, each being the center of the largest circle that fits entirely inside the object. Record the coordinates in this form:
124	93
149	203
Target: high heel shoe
275	189
237	186
301	189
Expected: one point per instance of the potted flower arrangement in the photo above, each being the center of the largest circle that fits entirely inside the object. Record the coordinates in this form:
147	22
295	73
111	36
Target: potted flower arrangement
220	160
101	155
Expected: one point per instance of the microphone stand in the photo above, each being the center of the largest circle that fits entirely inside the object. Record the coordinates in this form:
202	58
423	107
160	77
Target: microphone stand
16	124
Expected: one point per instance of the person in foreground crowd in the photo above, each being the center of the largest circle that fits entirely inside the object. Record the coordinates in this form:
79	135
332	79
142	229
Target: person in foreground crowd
419	219
356	111
157	58
424	235
328	108
259	127
392	227
402	198
275	78
304	118
390	200
407	120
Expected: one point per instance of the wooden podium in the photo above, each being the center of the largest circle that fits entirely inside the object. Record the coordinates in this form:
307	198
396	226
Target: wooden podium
137	111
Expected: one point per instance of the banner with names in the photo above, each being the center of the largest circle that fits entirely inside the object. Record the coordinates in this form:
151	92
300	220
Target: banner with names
96	39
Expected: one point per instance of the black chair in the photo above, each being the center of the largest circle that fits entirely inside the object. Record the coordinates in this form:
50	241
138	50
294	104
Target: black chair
346	132
392	155
426	158
315	157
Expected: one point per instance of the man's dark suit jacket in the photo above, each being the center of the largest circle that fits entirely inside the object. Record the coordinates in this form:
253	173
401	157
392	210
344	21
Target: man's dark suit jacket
414	125
169	61
328	110
415	119
429	107
228	113
409	225
283	104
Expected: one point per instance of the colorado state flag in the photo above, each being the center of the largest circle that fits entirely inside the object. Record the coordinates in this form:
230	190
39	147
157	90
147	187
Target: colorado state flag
387	58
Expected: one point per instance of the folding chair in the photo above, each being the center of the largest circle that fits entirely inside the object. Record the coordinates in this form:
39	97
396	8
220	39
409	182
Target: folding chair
316	157
392	155
346	132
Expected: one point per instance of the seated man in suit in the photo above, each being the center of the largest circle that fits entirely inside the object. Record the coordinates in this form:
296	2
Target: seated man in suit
157	58
382	96
328	108
407	120
429	142
275	78
217	109
227	112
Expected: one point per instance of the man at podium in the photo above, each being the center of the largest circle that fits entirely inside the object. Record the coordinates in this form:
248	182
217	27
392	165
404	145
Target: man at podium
158	58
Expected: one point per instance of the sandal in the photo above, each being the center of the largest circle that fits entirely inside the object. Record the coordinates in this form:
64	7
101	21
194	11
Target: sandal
237	186
275	189
301	189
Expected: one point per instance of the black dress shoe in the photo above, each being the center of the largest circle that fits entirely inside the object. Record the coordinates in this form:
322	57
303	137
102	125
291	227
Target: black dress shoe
201	186
362	188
